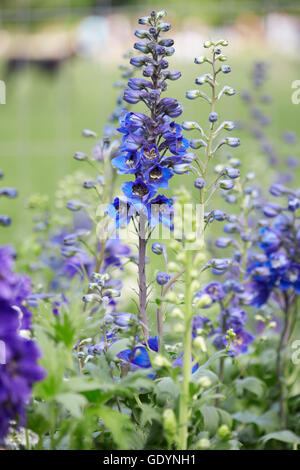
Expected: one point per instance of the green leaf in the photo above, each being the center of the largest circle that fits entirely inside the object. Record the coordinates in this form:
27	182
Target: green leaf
120	426
252	384
54	360
245	417
283	436
72	402
214	357
82	384
210	417
226	417
266	422
166	389
149	414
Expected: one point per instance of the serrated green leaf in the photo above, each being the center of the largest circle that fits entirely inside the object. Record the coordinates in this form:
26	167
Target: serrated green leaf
73	403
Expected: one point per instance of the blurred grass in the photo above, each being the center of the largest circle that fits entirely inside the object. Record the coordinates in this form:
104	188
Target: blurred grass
42	121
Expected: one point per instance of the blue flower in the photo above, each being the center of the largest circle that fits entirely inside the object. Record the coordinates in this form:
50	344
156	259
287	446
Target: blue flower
150	154
269	239
179	145
138	191
127	163
121	211
161	210
159	176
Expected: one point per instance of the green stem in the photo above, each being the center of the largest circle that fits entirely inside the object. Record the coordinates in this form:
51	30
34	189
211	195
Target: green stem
280	367
187	344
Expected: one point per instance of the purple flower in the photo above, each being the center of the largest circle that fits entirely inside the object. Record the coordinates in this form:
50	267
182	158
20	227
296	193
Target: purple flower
215	291
20	371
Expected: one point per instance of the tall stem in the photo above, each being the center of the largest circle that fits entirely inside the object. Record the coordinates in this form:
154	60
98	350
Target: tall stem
187	344
279	366
142	276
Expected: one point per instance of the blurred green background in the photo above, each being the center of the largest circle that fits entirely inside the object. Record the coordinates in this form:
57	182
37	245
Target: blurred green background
45	112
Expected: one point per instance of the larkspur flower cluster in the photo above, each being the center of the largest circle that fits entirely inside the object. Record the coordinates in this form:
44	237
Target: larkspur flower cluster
19	368
153	146
277	268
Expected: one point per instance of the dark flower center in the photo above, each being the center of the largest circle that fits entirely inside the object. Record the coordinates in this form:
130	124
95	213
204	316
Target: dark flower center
130	161
155	173
139	189
150	154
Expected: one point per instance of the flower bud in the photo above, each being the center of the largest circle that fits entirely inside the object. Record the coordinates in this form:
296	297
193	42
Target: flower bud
178	328
192	94
223	242
89	184
177	313
75	205
164	27
88	133
204	381
172	75
160	361
226	184
203	443
197	143
203	301
169	421
199	343
5	221
144	20
161	14
232	173
172	297
208	44
232	141
213	117
158	248
200	59
88	298
199	183
80	156
223	431
225	68
11	193
162	278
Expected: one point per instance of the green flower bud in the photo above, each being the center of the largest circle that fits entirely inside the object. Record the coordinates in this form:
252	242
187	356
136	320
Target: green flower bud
199	343
200	59
178	328
203	301
177	313
169	421
230	335
173	267
203	444
223	431
160	361
172	297
208	44
222	42
204	381
160	14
